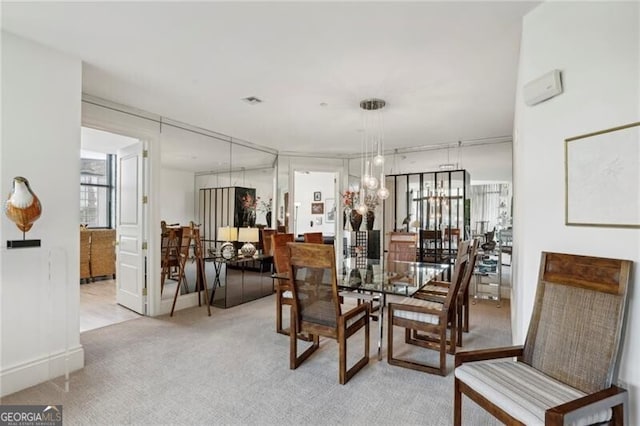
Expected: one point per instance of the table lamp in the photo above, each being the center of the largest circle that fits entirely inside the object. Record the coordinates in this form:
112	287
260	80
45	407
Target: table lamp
248	236
227	234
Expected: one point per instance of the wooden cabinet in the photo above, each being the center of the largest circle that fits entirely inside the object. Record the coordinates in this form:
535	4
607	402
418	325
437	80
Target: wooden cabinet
240	280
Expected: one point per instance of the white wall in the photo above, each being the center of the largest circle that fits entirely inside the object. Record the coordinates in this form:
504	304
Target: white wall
177	200
596	46
306	183
39	296
490	163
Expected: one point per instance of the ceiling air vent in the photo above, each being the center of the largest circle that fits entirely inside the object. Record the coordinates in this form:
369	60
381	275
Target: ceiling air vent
252	100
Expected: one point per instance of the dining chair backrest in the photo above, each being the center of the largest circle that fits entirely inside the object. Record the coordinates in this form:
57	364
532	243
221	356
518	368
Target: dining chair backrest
314	238
461	266
452	236
471	247
314	284
402	246
280	251
578	315
266	234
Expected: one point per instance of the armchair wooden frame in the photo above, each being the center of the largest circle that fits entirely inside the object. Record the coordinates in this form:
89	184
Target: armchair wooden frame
316	308
571	347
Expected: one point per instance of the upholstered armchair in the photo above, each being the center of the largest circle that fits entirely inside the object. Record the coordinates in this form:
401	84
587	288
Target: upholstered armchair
565	371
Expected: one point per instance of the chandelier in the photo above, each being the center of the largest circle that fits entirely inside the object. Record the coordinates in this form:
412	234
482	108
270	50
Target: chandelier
372	163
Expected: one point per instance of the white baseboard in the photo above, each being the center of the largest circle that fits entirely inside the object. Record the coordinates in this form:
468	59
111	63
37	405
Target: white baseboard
183	302
40	370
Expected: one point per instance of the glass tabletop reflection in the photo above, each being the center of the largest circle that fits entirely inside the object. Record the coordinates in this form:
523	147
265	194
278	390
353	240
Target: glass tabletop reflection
396	277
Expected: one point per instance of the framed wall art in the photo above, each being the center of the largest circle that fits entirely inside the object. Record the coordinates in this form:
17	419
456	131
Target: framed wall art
317	208
317	196
330	210
602	178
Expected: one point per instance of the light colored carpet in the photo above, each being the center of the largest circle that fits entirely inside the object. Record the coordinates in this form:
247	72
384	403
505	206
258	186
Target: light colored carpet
232	368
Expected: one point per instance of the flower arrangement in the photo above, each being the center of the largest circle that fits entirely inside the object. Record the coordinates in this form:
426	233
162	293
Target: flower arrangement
351	200
265	206
371	200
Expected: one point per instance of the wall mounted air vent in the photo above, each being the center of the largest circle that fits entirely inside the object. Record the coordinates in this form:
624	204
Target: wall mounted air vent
543	88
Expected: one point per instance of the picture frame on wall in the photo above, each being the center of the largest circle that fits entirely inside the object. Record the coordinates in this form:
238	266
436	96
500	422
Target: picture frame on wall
317	196
317	208
330	209
601	178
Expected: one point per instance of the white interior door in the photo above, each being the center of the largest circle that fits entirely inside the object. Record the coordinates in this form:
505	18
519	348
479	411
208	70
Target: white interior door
131	257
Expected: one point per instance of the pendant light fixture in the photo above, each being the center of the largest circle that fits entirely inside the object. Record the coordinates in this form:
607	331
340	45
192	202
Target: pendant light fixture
372	153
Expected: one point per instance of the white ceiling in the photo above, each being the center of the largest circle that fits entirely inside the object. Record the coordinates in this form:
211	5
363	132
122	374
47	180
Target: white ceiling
446	69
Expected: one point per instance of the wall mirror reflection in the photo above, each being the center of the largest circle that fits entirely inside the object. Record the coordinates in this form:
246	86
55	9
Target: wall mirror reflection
226	189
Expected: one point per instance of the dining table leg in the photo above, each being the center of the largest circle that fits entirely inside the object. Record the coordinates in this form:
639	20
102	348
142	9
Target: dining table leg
383	303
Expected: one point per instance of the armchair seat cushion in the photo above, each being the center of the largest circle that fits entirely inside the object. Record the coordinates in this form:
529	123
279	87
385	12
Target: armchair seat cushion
522	391
418	316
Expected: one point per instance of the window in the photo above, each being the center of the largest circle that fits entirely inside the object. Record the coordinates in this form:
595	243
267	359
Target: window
97	188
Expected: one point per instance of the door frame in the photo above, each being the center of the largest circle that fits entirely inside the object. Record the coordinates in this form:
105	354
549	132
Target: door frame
114	118
338	174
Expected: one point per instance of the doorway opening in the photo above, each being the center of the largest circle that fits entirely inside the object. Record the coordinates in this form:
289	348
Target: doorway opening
99	173
315	204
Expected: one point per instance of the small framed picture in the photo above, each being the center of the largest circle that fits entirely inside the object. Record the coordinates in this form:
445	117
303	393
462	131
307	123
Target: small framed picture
317	196
317	208
330	210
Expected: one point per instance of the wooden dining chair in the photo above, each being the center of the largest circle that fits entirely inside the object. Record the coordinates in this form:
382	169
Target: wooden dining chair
281	266
316	308
170	240
402	246
266	234
564	372
437	290
430	320
314	238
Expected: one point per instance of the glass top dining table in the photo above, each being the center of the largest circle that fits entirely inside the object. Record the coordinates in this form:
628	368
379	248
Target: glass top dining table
397	277
374	280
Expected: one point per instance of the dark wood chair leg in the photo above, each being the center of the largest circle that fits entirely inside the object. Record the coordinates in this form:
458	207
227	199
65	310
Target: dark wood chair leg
457	404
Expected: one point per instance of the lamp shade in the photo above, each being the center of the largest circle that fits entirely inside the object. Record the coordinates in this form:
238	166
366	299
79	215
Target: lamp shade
227	233
249	235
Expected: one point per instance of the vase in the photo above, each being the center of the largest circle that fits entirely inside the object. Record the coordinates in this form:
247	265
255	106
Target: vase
268	218
355	219
371	217
355	278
